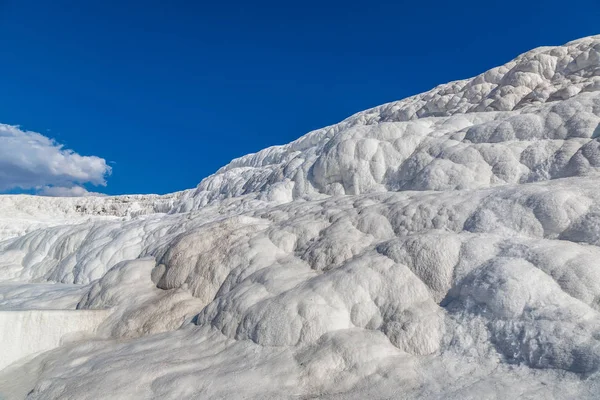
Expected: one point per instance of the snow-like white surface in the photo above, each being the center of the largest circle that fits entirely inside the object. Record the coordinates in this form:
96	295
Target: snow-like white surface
27	332
20	214
443	246
509	124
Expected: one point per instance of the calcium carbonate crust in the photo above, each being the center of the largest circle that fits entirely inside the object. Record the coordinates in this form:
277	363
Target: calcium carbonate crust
443	246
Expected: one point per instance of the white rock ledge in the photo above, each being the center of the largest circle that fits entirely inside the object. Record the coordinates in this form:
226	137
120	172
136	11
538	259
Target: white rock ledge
24	333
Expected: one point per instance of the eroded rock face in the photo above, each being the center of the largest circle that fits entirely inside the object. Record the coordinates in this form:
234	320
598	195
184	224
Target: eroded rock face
442	246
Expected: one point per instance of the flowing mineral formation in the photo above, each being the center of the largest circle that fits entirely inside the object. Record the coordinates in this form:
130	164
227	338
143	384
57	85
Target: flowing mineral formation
445	246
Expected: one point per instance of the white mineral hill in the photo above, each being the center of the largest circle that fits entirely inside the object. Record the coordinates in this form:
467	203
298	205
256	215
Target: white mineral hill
445	246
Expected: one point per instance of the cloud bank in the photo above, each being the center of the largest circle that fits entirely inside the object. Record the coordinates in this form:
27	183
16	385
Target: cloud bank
30	160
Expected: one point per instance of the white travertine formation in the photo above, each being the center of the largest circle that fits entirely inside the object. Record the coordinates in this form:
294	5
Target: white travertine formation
442	246
27	332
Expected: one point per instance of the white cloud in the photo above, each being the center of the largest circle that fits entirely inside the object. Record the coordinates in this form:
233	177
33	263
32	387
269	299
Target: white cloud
31	160
62	191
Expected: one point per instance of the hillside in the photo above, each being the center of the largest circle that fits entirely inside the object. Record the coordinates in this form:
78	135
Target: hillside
444	246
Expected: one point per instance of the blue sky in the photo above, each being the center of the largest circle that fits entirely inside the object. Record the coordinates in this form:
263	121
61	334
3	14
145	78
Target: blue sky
167	92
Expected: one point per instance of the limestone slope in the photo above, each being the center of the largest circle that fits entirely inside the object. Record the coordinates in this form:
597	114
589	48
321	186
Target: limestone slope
442	246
